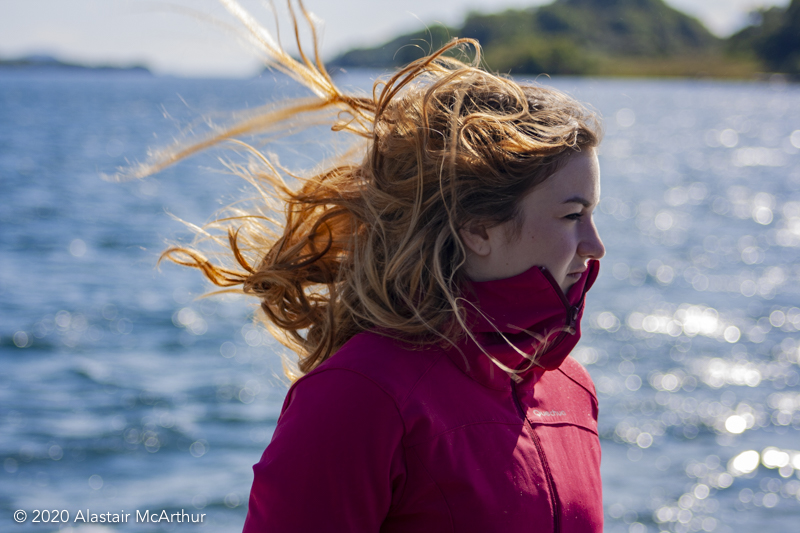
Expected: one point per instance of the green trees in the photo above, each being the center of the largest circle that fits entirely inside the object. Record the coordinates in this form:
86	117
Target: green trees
605	37
774	40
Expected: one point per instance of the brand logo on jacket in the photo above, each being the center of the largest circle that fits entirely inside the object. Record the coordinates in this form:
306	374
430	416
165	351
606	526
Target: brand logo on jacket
537	412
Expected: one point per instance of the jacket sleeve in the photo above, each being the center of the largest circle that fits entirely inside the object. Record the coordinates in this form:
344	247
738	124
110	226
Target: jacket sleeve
335	459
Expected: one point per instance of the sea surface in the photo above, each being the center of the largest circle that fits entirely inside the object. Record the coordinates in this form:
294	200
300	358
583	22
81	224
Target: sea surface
122	391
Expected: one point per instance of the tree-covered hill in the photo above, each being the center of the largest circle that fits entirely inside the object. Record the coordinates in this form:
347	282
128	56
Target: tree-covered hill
597	37
774	40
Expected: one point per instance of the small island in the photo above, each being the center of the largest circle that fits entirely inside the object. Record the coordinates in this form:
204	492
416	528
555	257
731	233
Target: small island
45	62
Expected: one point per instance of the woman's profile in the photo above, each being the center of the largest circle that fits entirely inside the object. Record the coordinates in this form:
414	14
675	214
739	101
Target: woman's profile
431	283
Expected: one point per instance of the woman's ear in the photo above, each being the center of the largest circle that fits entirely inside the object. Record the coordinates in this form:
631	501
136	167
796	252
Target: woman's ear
476	239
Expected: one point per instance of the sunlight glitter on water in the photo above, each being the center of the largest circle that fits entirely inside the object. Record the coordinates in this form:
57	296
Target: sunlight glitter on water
690	332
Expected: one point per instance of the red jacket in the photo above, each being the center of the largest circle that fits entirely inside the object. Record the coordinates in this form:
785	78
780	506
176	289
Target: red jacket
382	437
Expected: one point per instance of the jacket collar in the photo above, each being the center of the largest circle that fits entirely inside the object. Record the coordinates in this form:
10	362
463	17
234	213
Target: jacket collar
523	314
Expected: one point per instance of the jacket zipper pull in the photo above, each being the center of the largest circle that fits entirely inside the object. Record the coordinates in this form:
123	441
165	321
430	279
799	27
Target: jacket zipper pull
572	319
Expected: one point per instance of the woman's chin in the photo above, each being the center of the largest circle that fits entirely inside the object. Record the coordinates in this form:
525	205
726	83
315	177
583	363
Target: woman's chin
569	281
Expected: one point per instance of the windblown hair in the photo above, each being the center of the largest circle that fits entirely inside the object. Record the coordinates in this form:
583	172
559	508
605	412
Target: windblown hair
372	241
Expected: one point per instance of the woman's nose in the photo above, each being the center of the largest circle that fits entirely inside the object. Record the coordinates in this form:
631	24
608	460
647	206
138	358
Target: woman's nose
591	245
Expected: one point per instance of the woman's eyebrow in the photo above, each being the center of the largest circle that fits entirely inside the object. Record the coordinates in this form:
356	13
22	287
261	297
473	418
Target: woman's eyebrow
578	200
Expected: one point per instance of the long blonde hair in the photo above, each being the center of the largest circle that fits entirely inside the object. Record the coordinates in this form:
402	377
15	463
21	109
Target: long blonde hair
372	240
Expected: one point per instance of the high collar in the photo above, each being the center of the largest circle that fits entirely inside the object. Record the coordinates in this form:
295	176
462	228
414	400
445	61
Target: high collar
526	313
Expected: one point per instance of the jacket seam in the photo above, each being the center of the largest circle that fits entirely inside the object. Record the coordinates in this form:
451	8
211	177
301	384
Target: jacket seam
430	366
450	430
438	488
578	383
498	387
528	427
396	407
400	401
366	377
562	424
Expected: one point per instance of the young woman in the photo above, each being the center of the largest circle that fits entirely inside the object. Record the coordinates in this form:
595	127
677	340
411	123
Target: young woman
431	284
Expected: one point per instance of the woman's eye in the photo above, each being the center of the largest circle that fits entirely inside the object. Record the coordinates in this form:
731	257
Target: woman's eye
574	216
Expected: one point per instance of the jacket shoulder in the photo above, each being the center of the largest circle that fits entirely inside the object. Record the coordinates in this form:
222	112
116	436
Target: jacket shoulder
394	366
578	374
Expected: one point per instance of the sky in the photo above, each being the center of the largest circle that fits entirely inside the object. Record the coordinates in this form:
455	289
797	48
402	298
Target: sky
195	37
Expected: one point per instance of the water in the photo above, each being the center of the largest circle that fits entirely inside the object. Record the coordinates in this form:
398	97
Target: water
121	391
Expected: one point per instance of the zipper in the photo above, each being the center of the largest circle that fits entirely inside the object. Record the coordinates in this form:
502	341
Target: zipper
572	310
554	500
555	285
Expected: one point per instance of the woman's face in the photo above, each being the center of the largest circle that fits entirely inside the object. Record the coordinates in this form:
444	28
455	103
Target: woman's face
557	230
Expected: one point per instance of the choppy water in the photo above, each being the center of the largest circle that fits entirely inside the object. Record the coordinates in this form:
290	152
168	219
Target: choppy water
119	391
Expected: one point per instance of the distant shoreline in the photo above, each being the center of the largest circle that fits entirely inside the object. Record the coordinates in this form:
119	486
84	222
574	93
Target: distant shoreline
44	63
